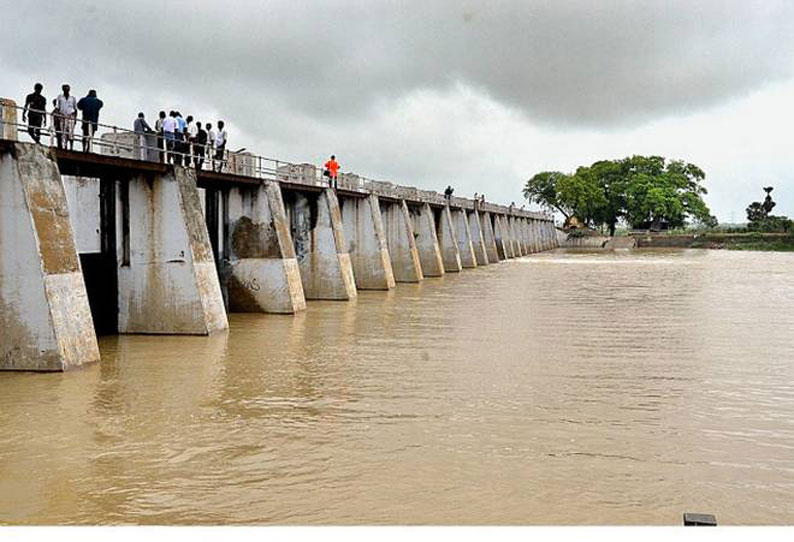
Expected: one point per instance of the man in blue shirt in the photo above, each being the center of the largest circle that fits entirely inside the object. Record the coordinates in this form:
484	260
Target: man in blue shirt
90	106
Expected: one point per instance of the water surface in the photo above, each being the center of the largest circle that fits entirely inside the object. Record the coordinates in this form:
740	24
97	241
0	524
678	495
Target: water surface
561	388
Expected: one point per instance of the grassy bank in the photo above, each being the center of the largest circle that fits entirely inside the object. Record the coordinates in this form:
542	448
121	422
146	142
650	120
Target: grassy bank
777	242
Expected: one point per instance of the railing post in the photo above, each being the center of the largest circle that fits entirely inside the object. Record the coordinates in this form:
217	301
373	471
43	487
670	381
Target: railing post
115	142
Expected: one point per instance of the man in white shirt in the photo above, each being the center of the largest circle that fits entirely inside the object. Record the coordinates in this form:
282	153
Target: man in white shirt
169	133
65	117
220	144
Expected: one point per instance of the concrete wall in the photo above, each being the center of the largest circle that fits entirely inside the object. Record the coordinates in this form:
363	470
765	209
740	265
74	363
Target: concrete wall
399	229
478	241
367	243
427	241
170	284
463	235
320	247
45	319
448	241
8	119
262	273
82	198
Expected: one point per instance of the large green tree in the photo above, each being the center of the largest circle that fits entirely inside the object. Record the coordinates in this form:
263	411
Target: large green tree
639	190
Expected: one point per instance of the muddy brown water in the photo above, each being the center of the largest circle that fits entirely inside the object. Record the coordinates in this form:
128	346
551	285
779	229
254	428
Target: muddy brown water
562	388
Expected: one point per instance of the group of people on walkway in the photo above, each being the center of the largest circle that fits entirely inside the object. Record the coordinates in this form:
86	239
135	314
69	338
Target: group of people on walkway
64	115
174	139
182	141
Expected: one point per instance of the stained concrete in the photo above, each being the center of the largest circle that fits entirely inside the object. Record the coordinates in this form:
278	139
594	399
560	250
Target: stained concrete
170	285
503	247
448	242
400	238
320	247
367	243
263	273
477	239
8	119
45	319
427	242
468	259
489	238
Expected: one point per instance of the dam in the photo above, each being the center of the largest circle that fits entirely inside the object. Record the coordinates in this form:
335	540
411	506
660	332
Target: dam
117	241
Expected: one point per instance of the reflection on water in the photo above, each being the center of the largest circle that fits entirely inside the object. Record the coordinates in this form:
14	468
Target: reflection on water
559	388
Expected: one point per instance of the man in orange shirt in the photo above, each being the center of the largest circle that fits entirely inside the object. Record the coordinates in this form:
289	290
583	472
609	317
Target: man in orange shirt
331	171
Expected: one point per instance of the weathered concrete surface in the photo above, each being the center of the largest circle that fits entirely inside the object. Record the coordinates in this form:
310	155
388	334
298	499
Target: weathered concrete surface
320	247
468	259
489	237
170	285
523	231
82	198
427	242
8	119
448	242
518	249
45	319
401	241
477	239
502	243
536	236
263	274
367	243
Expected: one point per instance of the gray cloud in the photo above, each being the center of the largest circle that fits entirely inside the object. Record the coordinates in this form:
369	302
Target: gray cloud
571	63
294	77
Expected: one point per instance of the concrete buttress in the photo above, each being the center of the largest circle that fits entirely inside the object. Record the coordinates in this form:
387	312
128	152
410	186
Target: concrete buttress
325	268
477	238
401	242
170	283
262	274
491	250
502	243
45	318
427	242
468	259
448	242
367	243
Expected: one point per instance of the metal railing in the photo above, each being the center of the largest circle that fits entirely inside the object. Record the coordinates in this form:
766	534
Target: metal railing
109	140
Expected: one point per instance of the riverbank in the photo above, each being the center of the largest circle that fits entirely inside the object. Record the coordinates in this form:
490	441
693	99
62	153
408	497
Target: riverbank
770	242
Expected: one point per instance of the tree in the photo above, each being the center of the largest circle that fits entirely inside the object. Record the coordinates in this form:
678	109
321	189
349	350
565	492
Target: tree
542	189
640	190
760	219
658	191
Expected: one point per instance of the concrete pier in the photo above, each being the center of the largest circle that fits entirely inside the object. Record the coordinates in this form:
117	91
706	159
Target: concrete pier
401	242
367	243
448	242
503	246
427	242
262	273
167	280
320	247
468	259
45	319
489	238
477	239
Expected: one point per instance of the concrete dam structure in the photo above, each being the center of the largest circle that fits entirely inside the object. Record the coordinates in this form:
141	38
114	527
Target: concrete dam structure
107	243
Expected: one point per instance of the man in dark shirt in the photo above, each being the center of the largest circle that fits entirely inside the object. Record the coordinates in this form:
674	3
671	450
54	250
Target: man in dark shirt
200	145
90	106
35	106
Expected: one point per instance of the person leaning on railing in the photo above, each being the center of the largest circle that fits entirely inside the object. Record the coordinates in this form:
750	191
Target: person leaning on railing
142	131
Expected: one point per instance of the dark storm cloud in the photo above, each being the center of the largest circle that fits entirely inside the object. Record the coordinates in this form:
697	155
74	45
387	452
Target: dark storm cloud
564	63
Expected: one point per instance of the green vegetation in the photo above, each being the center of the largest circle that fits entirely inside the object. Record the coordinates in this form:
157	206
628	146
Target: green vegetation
760	219
643	192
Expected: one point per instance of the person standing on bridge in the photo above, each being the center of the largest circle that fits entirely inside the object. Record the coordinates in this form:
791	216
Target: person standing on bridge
332	171
143	138
65	115
448	192
220	144
36	112
158	127
169	134
90	106
200	146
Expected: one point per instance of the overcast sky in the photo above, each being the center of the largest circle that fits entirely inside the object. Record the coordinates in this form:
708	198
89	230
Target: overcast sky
477	94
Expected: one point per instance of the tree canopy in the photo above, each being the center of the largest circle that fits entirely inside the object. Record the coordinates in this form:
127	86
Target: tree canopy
643	191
